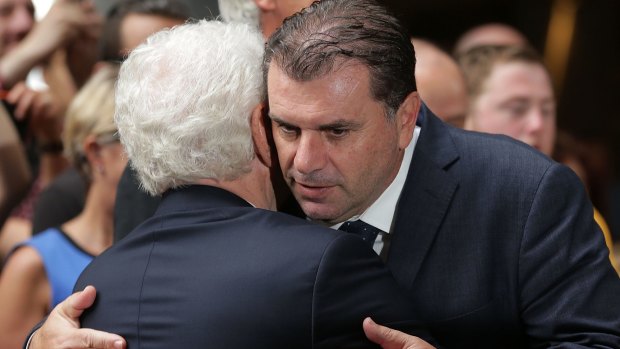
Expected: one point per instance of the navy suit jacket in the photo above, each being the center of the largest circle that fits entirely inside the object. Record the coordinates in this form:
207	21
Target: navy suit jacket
498	248
210	271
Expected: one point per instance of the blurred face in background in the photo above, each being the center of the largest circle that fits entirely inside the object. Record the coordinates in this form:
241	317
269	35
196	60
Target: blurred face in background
517	100
113	158
136	27
273	12
107	161
16	21
289	7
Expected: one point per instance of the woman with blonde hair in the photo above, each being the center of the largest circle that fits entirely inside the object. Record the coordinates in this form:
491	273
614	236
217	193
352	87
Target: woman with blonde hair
41	272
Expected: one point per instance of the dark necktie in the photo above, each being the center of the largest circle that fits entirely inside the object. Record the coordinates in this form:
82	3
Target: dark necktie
367	232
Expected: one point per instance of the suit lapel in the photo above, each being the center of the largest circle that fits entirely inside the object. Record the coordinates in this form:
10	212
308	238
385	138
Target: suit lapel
425	199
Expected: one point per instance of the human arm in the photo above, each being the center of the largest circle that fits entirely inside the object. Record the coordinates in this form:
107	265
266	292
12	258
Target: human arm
568	289
66	20
24	296
43	113
61	329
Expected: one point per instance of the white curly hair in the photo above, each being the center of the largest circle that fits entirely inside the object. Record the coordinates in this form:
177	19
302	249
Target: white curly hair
184	100
239	11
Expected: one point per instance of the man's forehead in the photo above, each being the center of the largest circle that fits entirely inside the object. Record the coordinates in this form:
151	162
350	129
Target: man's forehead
339	98
341	77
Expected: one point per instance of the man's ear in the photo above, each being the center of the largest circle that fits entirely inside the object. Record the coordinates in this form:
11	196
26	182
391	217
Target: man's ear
265	5
406	117
259	134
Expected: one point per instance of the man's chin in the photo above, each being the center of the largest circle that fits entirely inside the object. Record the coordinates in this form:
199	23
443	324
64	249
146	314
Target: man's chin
319	213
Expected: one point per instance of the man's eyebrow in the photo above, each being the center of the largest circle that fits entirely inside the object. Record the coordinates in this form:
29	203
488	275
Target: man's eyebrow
278	121
340	124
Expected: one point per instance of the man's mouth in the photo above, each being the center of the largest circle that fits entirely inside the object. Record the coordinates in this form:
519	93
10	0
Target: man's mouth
311	191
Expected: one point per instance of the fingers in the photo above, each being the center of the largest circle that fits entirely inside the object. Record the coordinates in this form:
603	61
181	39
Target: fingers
69	338
71	309
388	338
379	334
61	329
98	339
21	97
38	107
25	104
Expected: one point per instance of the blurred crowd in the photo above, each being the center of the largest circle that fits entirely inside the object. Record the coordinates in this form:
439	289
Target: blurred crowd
61	160
60	156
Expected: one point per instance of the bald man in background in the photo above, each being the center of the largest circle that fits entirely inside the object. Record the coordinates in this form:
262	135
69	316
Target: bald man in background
441	83
489	34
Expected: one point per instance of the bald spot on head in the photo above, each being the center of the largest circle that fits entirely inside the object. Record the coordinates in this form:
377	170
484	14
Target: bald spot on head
440	82
489	34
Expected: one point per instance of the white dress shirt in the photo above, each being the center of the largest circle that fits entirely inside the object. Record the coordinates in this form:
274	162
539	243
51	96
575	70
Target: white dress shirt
381	213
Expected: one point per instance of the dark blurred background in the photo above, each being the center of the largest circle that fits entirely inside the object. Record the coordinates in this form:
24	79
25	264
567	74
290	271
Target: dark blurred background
580	40
586	71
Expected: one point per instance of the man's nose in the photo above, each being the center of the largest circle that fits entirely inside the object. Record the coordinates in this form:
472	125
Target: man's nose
311	153
535	121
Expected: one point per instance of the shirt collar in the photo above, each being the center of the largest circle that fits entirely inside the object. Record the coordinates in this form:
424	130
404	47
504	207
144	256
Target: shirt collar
381	213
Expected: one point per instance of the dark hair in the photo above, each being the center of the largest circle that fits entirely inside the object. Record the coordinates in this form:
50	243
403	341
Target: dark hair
328	33
111	38
478	62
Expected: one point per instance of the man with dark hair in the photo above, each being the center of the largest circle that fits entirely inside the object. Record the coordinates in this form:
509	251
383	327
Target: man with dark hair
281	281
494	242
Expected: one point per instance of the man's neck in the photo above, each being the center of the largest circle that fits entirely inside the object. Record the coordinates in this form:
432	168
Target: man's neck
255	187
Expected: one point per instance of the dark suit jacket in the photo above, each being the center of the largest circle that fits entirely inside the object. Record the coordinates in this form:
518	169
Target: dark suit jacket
210	271
498	248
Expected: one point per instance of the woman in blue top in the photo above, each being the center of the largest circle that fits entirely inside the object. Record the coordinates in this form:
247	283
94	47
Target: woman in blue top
42	271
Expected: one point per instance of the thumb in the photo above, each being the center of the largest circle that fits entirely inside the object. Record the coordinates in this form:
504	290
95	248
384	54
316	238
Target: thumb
385	337
75	305
388	338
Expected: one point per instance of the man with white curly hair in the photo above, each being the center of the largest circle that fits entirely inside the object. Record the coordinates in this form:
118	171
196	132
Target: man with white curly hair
264	15
216	266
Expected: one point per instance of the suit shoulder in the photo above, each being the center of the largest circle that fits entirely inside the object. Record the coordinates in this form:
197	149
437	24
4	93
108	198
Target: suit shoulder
128	254
300	228
500	151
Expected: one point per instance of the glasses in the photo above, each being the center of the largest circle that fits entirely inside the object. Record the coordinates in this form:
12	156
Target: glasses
108	138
